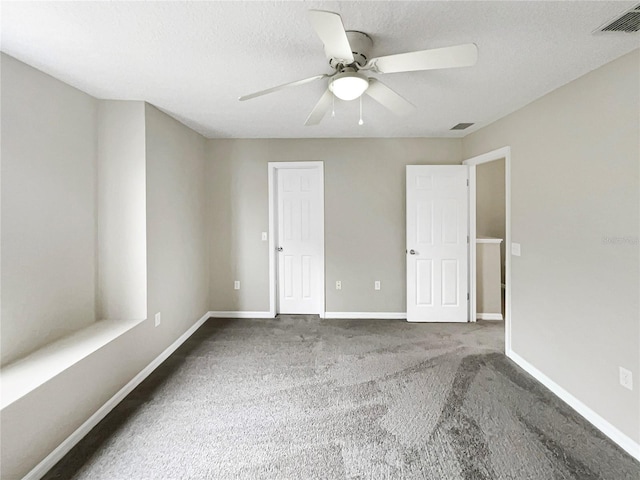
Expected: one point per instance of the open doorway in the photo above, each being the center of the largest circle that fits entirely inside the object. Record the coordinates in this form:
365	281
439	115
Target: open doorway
490	238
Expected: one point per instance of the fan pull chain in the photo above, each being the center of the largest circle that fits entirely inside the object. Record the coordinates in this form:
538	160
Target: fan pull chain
360	122
333	106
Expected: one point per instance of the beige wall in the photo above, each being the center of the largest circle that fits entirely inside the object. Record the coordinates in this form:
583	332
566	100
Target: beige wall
575	212
48	209
177	257
177	261
122	210
364	217
490	204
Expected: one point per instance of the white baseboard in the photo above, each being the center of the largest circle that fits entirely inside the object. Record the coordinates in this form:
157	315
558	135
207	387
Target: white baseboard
621	439
367	315
489	316
54	457
241	314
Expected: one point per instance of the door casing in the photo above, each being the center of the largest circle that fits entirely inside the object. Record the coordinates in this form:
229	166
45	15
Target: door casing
273	167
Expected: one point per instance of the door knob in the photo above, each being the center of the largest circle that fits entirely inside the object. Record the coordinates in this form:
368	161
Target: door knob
279	249
412	252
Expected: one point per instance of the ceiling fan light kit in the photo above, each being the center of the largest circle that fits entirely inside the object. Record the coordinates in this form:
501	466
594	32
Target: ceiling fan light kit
348	55
348	85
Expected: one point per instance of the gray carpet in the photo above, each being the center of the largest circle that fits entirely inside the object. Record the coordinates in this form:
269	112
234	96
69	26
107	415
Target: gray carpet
303	398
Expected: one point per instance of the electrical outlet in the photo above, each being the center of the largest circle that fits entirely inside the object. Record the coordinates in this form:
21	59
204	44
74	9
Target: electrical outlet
515	249
158	319
236	285
338	285
264	236
376	285
626	378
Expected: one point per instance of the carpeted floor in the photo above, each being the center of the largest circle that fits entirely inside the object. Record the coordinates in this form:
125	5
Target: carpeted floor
303	398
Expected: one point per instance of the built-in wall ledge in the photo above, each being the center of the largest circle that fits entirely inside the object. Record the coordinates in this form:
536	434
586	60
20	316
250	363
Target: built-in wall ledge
488	240
26	374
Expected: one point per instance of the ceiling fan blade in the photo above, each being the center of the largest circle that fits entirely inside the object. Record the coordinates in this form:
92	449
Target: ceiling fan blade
447	57
280	87
321	108
329	27
388	98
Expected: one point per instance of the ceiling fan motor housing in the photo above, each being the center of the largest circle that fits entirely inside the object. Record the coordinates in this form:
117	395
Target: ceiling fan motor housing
361	44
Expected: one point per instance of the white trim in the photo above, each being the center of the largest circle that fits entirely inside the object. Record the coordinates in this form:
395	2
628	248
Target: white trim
272	244
488	240
237	314
504	152
500	153
273	229
471	286
489	316
367	315
507	250
622	440
61	450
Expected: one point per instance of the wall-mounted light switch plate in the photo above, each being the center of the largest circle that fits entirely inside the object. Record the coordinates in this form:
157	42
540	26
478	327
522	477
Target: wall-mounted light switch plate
626	378
376	285
158	319
338	285
264	236
515	249
236	285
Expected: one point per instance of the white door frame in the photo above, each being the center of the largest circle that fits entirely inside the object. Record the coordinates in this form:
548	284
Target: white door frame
273	231
499	154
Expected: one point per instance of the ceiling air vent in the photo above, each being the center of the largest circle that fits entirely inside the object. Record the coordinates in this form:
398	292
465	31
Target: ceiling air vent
461	126
628	22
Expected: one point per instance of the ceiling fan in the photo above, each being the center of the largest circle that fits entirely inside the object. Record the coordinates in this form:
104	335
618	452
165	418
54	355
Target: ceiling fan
348	55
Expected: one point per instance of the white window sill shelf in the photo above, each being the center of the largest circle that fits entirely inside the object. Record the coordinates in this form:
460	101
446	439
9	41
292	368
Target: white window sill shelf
26	374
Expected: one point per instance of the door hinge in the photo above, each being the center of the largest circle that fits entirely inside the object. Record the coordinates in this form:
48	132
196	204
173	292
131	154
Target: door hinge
467	182
467	238
467	297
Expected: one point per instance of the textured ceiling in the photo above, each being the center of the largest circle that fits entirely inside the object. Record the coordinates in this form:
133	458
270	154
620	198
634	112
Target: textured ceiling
193	59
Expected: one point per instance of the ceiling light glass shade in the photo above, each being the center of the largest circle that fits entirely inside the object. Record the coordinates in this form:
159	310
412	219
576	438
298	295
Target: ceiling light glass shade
349	85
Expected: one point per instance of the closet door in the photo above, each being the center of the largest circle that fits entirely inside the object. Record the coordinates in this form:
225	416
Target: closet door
300	244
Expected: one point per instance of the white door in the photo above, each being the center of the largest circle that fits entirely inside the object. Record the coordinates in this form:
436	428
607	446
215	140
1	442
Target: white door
300	243
437	243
